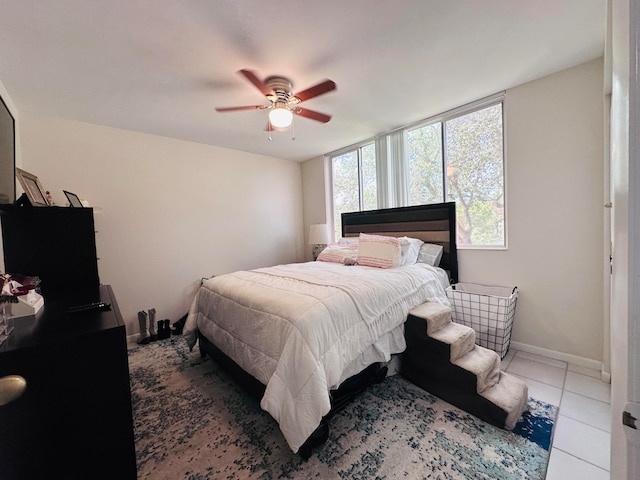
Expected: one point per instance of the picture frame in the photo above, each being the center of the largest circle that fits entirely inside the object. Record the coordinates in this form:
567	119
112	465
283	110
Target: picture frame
74	201
32	188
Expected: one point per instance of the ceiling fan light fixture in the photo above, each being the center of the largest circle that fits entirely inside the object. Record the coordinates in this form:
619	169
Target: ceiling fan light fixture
280	117
283	103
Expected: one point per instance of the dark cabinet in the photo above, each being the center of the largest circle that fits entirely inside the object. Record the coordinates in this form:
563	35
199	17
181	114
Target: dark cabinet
57	244
74	419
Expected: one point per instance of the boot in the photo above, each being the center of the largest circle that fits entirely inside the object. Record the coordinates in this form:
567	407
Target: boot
144	333
163	329
177	327
152	325
166	329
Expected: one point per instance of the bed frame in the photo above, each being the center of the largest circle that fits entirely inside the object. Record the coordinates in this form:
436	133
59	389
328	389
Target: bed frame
434	223
431	223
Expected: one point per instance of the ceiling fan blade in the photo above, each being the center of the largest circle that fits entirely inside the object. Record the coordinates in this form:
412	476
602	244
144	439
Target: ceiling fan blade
234	109
259	84
312	114
319	89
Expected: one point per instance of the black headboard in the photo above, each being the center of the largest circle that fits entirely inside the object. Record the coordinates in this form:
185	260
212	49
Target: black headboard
435	223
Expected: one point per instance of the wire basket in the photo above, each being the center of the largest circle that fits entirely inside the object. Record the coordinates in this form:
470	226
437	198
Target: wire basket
489	310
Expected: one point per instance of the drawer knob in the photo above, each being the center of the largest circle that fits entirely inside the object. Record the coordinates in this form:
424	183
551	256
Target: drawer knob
11	388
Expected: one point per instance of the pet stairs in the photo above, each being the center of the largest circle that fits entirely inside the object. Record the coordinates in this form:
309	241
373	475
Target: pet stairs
444	360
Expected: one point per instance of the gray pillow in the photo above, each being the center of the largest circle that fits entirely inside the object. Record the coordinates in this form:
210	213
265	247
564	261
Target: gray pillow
430	253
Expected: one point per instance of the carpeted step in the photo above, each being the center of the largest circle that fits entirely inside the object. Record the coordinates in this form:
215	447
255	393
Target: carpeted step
426	363
460	339
510	394
447	362
484	364
435	314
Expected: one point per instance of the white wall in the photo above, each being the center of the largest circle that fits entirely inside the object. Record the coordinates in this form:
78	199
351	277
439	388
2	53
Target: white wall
313	198
554	145
171	211
554	131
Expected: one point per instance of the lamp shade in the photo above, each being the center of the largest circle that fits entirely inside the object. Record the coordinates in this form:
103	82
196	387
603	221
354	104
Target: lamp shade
318	234
280	117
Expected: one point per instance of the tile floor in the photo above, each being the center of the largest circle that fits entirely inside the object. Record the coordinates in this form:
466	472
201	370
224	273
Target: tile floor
582	435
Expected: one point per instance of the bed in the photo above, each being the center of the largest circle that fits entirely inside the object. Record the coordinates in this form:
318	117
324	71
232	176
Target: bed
307	338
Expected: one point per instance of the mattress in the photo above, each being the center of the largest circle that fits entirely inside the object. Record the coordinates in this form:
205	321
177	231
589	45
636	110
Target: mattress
301	329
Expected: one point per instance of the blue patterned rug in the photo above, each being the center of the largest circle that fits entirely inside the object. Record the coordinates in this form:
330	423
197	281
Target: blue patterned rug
193	422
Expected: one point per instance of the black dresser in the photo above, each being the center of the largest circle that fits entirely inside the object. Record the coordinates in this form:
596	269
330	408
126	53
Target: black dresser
74	419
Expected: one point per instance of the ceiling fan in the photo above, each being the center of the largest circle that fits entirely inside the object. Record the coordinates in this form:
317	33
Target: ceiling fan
283	103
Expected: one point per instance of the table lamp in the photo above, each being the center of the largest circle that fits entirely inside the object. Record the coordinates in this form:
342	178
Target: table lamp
318	237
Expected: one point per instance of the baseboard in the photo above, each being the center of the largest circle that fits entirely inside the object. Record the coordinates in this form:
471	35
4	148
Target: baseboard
132	340
565	357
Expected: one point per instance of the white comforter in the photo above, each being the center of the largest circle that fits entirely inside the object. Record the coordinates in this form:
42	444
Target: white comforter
297	328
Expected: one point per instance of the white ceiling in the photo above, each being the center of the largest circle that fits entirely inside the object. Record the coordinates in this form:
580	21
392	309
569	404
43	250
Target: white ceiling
162	66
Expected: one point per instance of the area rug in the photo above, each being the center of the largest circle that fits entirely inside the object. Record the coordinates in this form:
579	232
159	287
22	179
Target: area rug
193	422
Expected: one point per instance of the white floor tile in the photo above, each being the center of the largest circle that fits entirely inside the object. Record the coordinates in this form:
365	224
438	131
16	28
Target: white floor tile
588	386
543	392
541	359
586	410
582	441
563	466
534	370
507	359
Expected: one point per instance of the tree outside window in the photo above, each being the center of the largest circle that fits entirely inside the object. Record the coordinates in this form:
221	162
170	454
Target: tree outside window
424	159
475	176
472	166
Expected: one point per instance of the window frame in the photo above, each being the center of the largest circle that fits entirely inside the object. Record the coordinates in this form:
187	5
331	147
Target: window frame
353	148
456	113
443	118
483	106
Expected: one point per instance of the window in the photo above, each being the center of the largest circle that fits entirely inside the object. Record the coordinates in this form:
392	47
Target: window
424	158
354	183
475	176
463	157
457	156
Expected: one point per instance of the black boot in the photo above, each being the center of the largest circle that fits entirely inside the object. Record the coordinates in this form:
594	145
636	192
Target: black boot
163	329
177	327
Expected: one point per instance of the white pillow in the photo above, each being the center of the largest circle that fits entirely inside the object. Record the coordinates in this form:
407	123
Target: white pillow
378	251
337	252
430	253
348	240
409	250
